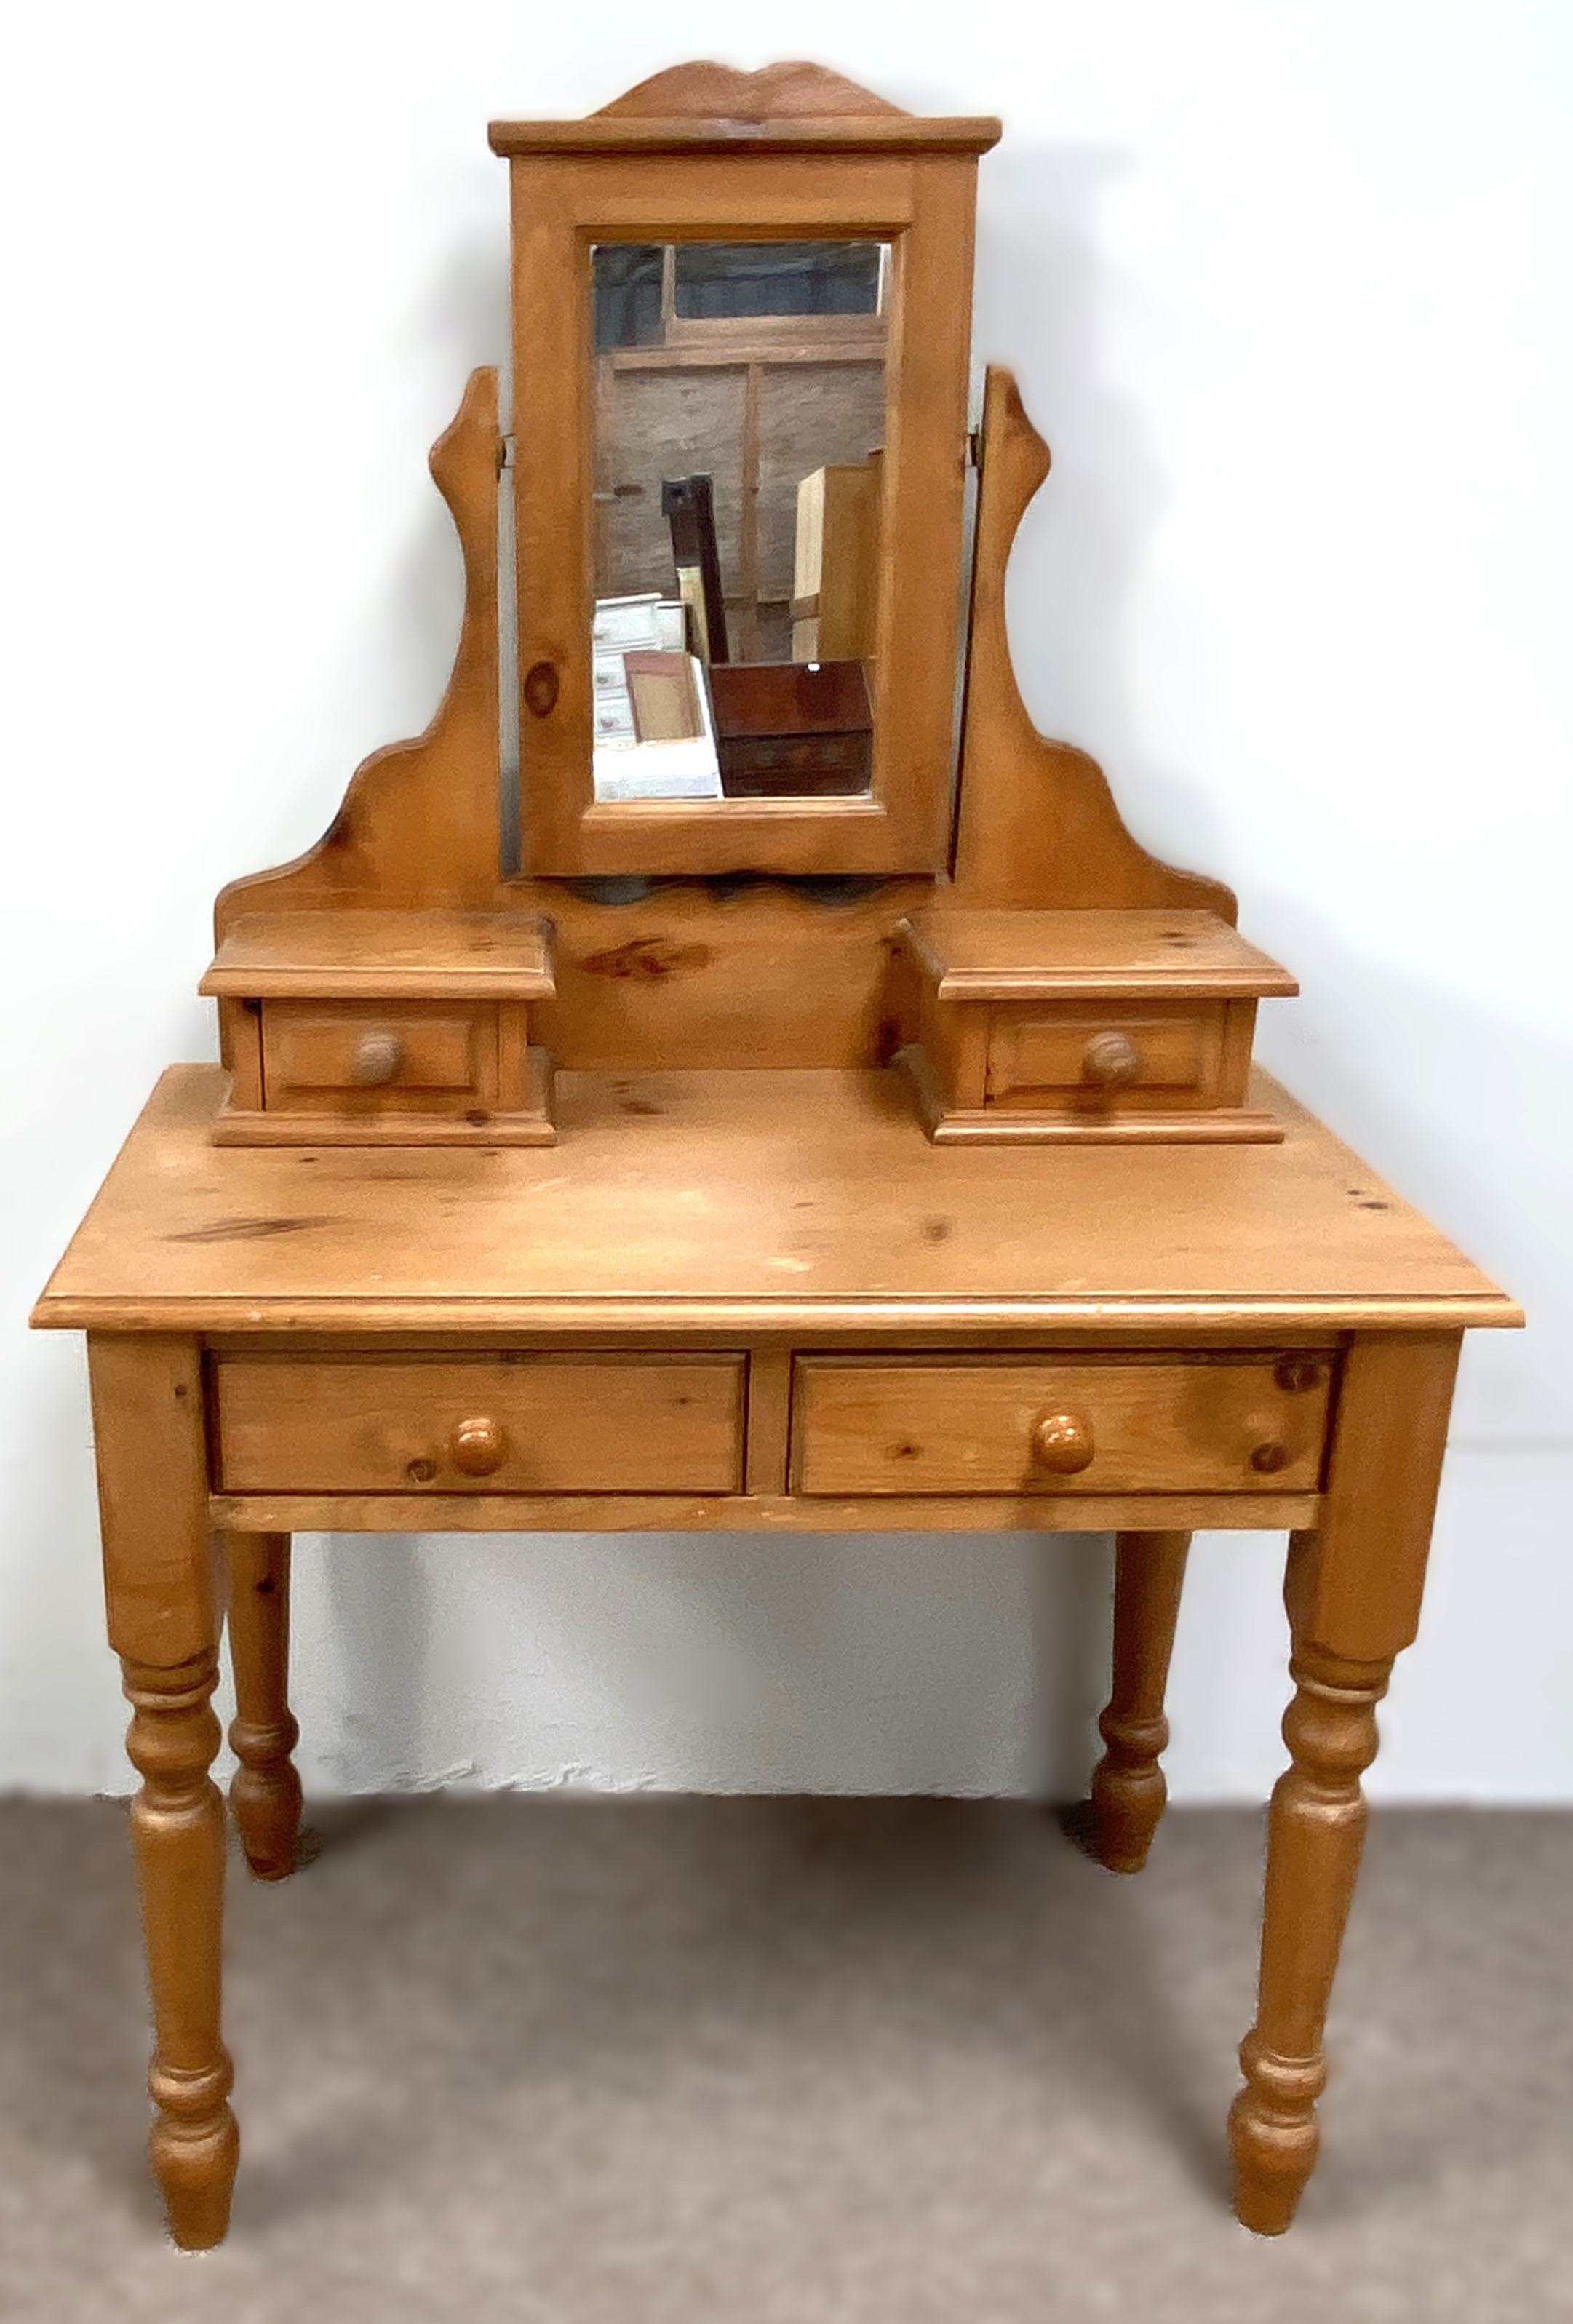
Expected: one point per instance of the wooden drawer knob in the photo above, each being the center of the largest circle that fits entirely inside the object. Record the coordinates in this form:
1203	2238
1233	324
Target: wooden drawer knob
478	1447
1111	1058
378	1057
1062	1442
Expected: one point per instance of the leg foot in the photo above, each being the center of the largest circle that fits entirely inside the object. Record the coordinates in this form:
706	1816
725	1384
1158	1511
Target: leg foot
176	1822
265	1792
1128	1790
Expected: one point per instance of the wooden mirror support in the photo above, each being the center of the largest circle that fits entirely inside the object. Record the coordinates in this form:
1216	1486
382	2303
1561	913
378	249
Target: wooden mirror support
983	915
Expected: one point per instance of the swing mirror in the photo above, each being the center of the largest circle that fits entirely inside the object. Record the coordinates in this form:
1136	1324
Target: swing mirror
740	425
741	347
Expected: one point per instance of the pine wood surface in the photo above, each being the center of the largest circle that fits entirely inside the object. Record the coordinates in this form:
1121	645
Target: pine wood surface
719	1202
629	1422
923	204
1128	1790
795	108
722	1300
265	1791
1352	1590
1025	955
381	955
760	1512
163	1618
968	1425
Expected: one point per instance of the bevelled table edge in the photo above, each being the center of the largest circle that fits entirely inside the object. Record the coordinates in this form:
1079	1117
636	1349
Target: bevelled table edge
1171	1316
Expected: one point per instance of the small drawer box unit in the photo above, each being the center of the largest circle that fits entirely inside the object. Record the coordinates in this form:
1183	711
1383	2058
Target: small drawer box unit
1090	1026
381	1029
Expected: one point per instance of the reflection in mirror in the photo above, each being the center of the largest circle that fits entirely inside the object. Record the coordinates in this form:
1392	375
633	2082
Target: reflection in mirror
738	430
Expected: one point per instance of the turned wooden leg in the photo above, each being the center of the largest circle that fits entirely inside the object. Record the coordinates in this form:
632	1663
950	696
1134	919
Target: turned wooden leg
1128	1790
1316	1831
1353	1591
265	1791
177	1823
152	1493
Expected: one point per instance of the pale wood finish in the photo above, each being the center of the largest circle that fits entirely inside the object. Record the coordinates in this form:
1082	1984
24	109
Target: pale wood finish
1113	956
1128	1789
380	1424
1100	1118
758	1512
789	107
372	955
445	1055
520	1113
1353	1592
265	1791
749	1298
152	1485
1085	1026
920	1424
923	205
750	1204
769	1421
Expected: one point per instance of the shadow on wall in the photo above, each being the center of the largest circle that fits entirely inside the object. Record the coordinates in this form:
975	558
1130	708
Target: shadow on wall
1041	300
718	1662
1469	1113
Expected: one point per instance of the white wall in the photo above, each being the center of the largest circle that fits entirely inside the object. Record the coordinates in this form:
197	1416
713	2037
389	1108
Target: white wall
1287	285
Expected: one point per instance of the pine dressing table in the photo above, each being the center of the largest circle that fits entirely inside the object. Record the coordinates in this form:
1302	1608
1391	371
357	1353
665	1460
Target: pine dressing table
779	1111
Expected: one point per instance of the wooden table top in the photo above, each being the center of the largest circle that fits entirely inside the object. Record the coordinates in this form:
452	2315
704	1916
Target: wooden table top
727	1202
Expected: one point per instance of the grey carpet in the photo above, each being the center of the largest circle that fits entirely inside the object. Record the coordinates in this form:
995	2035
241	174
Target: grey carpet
792	2062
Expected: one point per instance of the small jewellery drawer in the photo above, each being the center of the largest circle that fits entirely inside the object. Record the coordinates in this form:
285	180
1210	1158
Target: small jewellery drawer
1059	1424
499	1423
1160	1053
374	1056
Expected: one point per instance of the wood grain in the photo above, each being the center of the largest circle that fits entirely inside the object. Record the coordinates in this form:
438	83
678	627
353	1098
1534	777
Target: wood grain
707	108
1129	954
1353	1592
265	1791
934	1426
922	204
372	955
1128	1789
761	1512
750	1203
152	1487
386	1424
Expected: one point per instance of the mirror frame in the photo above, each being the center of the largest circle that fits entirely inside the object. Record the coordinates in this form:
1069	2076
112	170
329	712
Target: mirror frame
702	154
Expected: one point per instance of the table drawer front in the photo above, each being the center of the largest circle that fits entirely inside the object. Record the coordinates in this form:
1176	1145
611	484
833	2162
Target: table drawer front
1074	1425
502	1424
1164	1052
379	1056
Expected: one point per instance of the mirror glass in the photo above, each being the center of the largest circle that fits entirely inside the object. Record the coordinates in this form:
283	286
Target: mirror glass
740	422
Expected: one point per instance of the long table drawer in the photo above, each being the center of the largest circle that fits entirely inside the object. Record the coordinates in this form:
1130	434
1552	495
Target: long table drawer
495	1424
1052	1424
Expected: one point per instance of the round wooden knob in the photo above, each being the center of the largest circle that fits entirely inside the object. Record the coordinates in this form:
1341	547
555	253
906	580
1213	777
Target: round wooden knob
1062	1442
478	1447
378	1057
1111	1058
